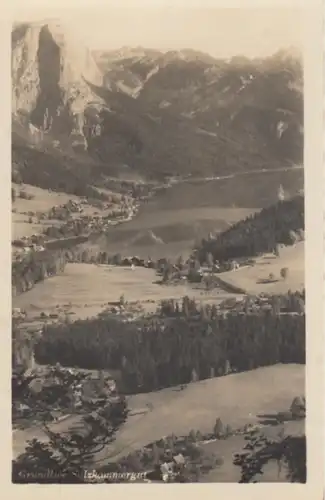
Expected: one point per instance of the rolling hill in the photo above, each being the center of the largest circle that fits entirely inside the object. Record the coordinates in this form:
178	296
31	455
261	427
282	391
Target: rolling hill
280	223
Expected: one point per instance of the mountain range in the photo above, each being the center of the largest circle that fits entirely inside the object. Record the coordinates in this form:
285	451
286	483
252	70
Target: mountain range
154	113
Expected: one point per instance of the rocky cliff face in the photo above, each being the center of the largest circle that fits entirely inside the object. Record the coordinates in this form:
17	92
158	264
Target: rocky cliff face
158	113
51	78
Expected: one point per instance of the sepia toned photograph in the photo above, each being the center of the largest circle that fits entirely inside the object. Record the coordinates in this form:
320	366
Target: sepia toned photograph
158	246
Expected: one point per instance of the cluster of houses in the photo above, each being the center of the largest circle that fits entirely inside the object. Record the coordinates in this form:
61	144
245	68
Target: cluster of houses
26	244
63	211
172	468
125	207
73	226
180	268
84	224
18	313
263	302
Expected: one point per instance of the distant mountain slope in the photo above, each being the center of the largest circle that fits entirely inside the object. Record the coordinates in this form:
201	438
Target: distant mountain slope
254	107
214	115
179	112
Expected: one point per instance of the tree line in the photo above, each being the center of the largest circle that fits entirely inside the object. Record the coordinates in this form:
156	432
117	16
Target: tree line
22	348
35	267
292	302
48	171
281	223
161	352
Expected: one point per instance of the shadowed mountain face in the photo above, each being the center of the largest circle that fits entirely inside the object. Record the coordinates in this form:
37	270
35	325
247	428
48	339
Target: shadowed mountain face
50	97
170	113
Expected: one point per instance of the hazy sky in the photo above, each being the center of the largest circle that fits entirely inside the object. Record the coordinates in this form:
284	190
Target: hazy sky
221	32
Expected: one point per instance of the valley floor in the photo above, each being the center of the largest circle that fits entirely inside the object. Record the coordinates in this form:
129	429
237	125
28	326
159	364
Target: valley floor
86	289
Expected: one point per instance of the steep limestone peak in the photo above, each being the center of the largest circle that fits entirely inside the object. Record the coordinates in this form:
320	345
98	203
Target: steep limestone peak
52	75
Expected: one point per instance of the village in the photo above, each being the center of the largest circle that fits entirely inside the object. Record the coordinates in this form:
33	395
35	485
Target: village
72	219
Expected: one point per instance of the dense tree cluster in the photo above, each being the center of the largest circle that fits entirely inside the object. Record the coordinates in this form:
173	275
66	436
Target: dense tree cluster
22	352
292	302
91	255
67	230
25	196
62	459
162	352
52	171
35	267
42	394
288	452
281	223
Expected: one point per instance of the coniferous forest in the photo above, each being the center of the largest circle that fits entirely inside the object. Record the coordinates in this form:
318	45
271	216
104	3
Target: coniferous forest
162	352
35	267
281	223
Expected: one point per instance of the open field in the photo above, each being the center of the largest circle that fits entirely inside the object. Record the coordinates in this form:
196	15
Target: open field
21	227
85	289
43	200
251	279
203	402
162	412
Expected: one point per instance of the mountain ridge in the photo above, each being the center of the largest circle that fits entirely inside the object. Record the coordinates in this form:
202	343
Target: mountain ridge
161	113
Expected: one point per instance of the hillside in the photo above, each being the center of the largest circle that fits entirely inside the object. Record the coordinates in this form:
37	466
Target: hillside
169	405
280	223
267	394
157	113
54	170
